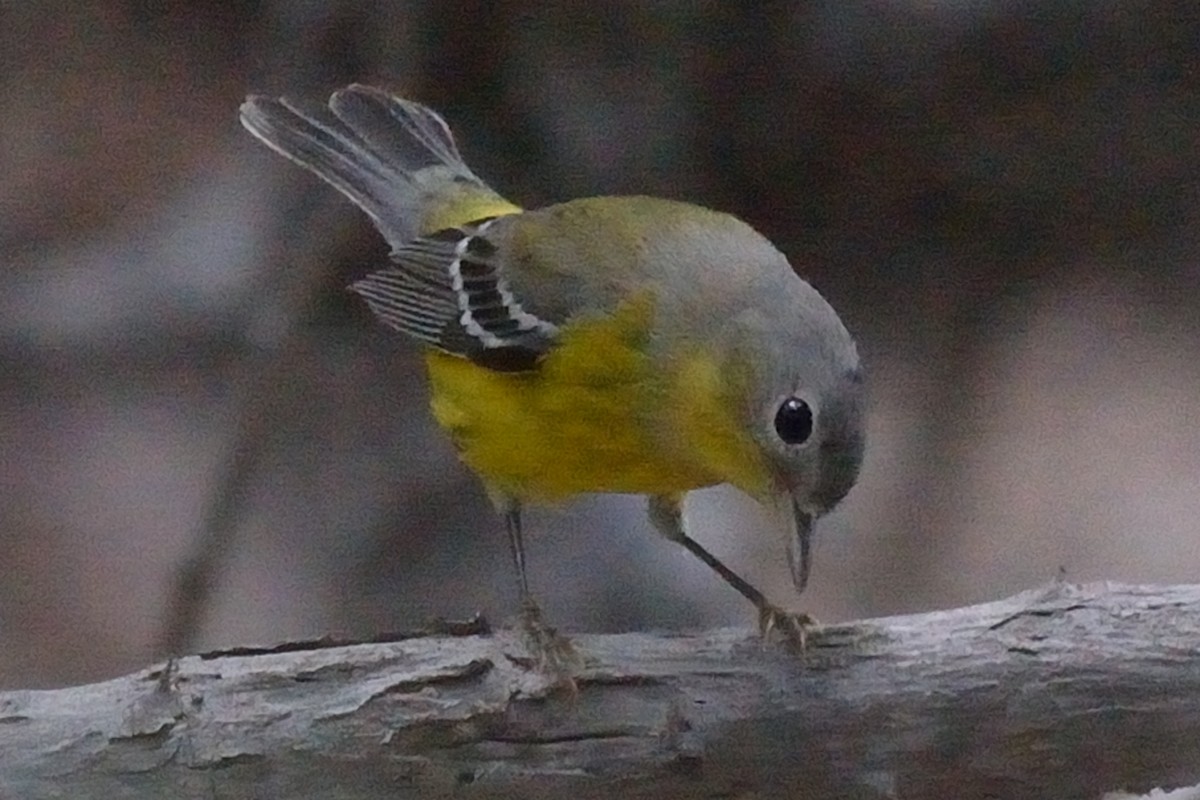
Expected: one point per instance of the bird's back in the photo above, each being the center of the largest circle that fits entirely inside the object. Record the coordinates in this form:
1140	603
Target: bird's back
588	254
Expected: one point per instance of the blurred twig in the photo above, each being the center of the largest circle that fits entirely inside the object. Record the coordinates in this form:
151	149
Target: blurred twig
197	576
338	41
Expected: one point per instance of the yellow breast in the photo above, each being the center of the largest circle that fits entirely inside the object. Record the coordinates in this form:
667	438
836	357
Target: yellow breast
579	423
589	419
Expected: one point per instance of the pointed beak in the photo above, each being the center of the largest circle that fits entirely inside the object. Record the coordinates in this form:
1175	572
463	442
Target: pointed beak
799	544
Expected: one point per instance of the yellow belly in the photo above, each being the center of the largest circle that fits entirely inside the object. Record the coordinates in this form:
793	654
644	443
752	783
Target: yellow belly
582	422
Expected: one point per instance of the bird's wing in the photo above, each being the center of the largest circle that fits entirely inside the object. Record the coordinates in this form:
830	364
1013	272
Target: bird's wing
449	290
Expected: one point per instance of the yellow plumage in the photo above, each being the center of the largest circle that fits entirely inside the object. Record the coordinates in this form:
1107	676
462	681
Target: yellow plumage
463	204
590	418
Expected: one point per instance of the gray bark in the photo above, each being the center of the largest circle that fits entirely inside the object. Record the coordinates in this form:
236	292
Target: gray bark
1068	691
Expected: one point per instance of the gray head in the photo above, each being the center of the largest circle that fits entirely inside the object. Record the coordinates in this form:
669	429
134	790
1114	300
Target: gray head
802	398
807	397
810	406
792	364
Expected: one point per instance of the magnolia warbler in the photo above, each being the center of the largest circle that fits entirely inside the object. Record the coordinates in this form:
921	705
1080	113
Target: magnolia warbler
608	344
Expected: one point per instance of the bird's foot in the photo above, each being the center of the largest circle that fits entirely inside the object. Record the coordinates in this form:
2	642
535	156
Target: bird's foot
790	626
553	653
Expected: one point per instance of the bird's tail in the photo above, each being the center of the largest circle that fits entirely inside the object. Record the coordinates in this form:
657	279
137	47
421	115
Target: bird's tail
395	159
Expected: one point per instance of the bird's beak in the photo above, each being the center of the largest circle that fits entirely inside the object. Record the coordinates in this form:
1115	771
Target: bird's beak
799	542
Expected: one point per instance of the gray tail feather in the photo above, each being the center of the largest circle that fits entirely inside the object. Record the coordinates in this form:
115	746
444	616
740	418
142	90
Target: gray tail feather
370	146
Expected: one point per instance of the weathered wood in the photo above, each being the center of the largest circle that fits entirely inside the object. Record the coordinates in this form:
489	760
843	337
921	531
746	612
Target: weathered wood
1063	692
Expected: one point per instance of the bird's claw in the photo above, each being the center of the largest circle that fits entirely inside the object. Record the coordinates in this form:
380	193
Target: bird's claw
790	626
553	653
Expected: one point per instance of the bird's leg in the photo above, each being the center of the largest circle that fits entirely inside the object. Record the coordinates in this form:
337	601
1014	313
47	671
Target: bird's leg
554	652
516	544
666	514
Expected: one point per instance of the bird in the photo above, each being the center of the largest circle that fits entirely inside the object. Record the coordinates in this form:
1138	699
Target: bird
612	344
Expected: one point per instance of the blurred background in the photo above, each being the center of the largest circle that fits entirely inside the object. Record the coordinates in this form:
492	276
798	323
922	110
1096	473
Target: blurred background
1001	198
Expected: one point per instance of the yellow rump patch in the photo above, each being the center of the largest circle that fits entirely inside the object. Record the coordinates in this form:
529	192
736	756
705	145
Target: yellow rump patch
463	204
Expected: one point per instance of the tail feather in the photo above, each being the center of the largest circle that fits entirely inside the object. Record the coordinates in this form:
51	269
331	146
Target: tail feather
394	159
421	139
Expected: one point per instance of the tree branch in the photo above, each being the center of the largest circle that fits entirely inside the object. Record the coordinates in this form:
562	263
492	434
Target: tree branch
1063	692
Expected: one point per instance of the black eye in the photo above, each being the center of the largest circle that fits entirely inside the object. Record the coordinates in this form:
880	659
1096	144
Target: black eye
794	421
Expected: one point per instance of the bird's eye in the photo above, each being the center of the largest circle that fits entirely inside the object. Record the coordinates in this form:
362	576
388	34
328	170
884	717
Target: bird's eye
794	421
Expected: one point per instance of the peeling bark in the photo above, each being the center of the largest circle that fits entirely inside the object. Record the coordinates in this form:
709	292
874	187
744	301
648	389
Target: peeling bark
1063	692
